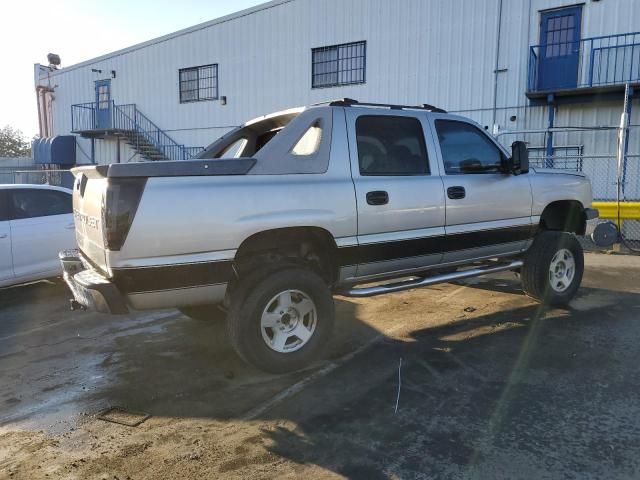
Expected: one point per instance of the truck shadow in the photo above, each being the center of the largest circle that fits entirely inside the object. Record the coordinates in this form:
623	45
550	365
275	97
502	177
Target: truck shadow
469	389
188	368
511	286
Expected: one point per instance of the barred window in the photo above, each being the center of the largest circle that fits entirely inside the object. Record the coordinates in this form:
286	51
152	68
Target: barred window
198	83
338	65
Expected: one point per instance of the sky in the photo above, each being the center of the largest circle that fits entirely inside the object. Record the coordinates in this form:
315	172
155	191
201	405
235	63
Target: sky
79	30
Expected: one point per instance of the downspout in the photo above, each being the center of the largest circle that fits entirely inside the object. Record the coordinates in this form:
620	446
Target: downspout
529	25
49	103
43	123
496	70
39	112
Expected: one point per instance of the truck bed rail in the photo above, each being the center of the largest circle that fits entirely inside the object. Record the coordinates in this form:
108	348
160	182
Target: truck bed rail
182	168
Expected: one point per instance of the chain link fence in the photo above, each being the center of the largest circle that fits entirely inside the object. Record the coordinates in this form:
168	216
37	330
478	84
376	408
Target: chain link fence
593	151
34	175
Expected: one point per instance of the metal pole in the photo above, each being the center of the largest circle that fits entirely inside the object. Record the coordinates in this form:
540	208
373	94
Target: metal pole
628	100
548	163
622	140
496	69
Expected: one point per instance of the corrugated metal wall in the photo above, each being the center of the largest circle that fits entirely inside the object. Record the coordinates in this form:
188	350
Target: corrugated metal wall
435	51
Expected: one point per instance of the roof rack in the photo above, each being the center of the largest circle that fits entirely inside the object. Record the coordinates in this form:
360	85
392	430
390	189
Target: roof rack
350	102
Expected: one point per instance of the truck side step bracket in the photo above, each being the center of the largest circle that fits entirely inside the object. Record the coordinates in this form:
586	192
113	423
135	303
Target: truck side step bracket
426	281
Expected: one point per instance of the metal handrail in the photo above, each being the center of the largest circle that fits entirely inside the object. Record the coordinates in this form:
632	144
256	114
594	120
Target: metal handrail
83	116
127	117
602	37
153	134
603	60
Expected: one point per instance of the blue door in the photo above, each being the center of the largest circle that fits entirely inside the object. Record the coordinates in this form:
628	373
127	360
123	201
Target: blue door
559	49
103	103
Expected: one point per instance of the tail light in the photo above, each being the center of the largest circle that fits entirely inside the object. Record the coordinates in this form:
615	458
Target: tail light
121	200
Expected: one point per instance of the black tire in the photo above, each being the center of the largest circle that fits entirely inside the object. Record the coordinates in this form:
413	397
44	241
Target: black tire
535	273
254	294
204	312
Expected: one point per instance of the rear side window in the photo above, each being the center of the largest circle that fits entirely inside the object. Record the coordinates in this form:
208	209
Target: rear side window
466	149
235	149
31	203
389	145
309	142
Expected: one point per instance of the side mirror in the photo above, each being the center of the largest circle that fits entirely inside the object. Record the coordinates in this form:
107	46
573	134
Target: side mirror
519	161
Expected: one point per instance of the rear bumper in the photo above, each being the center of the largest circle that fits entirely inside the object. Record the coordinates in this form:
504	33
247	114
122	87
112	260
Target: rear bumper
90	289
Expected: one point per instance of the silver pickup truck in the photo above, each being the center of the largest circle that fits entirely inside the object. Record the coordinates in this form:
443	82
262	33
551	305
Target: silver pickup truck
344	197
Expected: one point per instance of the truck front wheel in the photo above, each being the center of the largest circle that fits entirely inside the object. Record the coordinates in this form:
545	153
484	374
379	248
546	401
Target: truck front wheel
553	268
280	321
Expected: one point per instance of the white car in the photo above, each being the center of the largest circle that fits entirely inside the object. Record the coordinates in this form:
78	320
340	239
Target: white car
36	222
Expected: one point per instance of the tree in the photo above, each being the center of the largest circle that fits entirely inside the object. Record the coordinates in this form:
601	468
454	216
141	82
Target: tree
13	144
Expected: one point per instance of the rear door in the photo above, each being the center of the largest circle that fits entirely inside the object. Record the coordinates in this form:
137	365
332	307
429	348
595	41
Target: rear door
488	212
399	192
41	226
6	261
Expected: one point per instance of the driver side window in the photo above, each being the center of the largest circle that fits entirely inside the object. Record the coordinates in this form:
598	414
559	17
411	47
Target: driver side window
465	149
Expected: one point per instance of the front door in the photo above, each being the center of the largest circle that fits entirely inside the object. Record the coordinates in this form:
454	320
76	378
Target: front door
559	49
399	192
488	212
103	103
6	263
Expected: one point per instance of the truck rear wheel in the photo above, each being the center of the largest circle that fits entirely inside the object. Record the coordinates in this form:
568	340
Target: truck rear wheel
553	268
280	321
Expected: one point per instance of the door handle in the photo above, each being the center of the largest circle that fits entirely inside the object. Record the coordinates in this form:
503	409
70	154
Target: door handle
378	197
3	236
456	193
71	226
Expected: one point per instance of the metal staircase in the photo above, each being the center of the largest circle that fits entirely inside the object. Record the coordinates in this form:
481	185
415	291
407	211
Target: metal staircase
128	123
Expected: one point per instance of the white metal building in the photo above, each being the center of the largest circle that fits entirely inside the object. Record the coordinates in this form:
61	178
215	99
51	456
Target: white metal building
511	65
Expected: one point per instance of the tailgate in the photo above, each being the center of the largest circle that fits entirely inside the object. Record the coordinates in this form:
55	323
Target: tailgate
88	197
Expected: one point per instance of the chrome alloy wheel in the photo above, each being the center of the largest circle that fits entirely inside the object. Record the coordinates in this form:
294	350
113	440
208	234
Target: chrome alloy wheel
288	321
562	270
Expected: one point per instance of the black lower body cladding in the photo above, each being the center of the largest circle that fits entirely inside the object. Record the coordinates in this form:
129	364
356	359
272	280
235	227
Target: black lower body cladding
377	252
171	277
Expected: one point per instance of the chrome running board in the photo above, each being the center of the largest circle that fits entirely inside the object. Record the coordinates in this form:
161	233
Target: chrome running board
426	281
